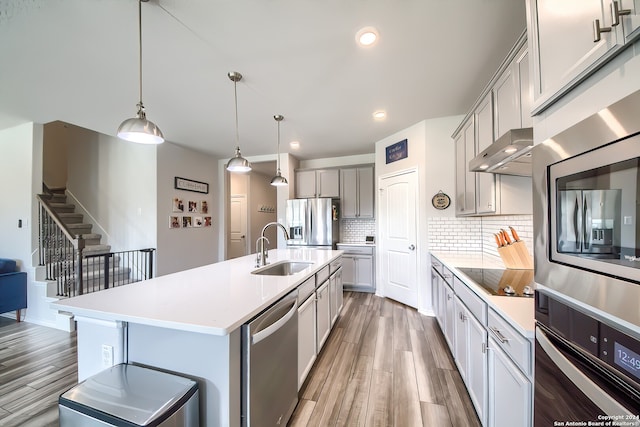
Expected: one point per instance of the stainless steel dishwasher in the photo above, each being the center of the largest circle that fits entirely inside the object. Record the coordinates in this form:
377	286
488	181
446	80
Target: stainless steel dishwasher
270	364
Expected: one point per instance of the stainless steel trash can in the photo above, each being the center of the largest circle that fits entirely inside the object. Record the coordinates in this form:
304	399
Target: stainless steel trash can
130	395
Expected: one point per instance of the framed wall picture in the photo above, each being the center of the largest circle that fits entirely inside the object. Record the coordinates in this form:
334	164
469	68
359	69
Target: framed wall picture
178	204
191	185
207	221
174	221
187	222
204	207
197	221
193	206
397	151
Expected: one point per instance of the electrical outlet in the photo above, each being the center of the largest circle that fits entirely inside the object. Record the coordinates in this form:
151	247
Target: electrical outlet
107	356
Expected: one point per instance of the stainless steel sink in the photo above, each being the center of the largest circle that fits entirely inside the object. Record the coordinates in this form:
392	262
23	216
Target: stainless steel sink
282	268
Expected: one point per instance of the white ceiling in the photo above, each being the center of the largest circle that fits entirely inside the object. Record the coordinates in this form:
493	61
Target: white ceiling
77	61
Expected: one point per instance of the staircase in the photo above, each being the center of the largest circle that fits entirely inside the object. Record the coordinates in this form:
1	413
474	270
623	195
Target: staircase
101	269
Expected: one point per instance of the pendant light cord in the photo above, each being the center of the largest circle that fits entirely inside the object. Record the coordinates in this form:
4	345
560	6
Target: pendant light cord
140	106
278	158
235	96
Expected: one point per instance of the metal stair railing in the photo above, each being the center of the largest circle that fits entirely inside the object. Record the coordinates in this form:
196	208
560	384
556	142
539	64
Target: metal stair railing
77	271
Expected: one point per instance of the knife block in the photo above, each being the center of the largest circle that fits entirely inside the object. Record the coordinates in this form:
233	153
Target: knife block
516	256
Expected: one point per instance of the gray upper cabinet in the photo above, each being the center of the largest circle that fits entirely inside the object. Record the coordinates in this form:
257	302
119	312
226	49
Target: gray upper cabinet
317	183
356	196
504	105
486	182
566	46
465	180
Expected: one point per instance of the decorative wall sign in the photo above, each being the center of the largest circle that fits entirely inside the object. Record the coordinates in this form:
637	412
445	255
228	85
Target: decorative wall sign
191	185
397	151
441	200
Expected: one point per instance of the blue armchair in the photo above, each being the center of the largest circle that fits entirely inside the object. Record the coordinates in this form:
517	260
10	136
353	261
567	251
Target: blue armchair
13	287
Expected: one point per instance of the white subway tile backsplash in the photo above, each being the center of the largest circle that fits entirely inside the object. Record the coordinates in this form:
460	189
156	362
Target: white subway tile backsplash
355	230
475	234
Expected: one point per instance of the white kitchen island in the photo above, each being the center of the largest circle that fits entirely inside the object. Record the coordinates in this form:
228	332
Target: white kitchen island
186	323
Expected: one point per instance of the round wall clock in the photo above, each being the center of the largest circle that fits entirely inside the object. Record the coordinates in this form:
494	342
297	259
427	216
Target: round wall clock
441	200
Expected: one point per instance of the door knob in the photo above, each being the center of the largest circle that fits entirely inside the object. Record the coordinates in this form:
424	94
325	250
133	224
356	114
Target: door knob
242	237
412	247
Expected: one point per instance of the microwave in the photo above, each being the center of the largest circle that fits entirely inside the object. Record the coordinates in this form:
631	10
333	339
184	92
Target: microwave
586	212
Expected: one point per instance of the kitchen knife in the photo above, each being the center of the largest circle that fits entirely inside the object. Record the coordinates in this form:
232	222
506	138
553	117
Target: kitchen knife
514	234
506	237
498	240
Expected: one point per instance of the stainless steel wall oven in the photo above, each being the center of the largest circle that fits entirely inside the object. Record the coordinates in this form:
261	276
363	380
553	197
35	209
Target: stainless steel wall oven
586	205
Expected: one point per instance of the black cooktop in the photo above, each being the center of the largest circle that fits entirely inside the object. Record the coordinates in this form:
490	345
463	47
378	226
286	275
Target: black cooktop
503	282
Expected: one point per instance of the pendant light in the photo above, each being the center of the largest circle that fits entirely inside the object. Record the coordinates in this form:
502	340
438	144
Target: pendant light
139	129
278	180
237	163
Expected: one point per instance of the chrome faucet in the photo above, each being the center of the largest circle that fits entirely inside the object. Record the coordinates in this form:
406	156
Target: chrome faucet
262	255
260	250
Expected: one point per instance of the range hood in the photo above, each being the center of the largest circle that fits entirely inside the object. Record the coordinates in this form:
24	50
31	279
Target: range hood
509	155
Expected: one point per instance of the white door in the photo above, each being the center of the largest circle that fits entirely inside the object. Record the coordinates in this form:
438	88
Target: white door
398	234
238	226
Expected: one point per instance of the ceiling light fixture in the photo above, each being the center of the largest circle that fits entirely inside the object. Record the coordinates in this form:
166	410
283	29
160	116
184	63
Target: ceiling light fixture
139	129
367	36
278	180
379	115
237	163
294	145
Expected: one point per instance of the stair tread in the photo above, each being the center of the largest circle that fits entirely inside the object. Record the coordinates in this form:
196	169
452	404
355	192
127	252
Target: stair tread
69	215
79	225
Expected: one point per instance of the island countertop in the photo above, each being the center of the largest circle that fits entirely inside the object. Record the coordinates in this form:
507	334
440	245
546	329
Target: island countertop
213	299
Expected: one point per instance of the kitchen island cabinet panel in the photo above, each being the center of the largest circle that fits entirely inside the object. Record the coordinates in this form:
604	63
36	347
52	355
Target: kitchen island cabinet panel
323	314
307	344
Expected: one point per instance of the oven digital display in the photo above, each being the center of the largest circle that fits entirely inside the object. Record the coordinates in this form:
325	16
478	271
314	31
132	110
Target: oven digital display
627	359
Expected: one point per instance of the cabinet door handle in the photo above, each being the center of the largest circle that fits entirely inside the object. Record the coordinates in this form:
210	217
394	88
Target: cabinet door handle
597	30
499	335
484	347
616	13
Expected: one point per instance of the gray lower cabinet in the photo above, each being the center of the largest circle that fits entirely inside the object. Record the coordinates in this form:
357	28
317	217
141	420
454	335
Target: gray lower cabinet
493	358
507	384
358	267
335	295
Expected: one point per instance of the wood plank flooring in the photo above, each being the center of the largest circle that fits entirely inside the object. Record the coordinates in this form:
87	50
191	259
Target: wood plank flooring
37	364
383	365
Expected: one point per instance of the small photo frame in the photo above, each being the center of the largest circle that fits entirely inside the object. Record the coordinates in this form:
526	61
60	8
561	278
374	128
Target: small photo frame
178	204
174	221
197	221
207	221
187	222
193	206
204	207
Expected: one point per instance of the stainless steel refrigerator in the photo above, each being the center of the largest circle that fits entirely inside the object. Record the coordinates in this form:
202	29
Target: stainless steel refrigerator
588	221
313	222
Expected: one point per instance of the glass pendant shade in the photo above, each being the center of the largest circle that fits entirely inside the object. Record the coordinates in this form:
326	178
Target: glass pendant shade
139	129
238	163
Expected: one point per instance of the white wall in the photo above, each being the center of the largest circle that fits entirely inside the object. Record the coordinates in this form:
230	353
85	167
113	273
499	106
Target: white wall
113	182
20	180
261	192
332	162
180	249
431	153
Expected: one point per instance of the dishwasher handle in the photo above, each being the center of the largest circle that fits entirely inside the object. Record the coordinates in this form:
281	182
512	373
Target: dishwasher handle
271	329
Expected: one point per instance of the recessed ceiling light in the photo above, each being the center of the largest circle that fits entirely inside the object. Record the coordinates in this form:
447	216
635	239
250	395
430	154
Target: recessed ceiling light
510	150
380	115
367	36
294	144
